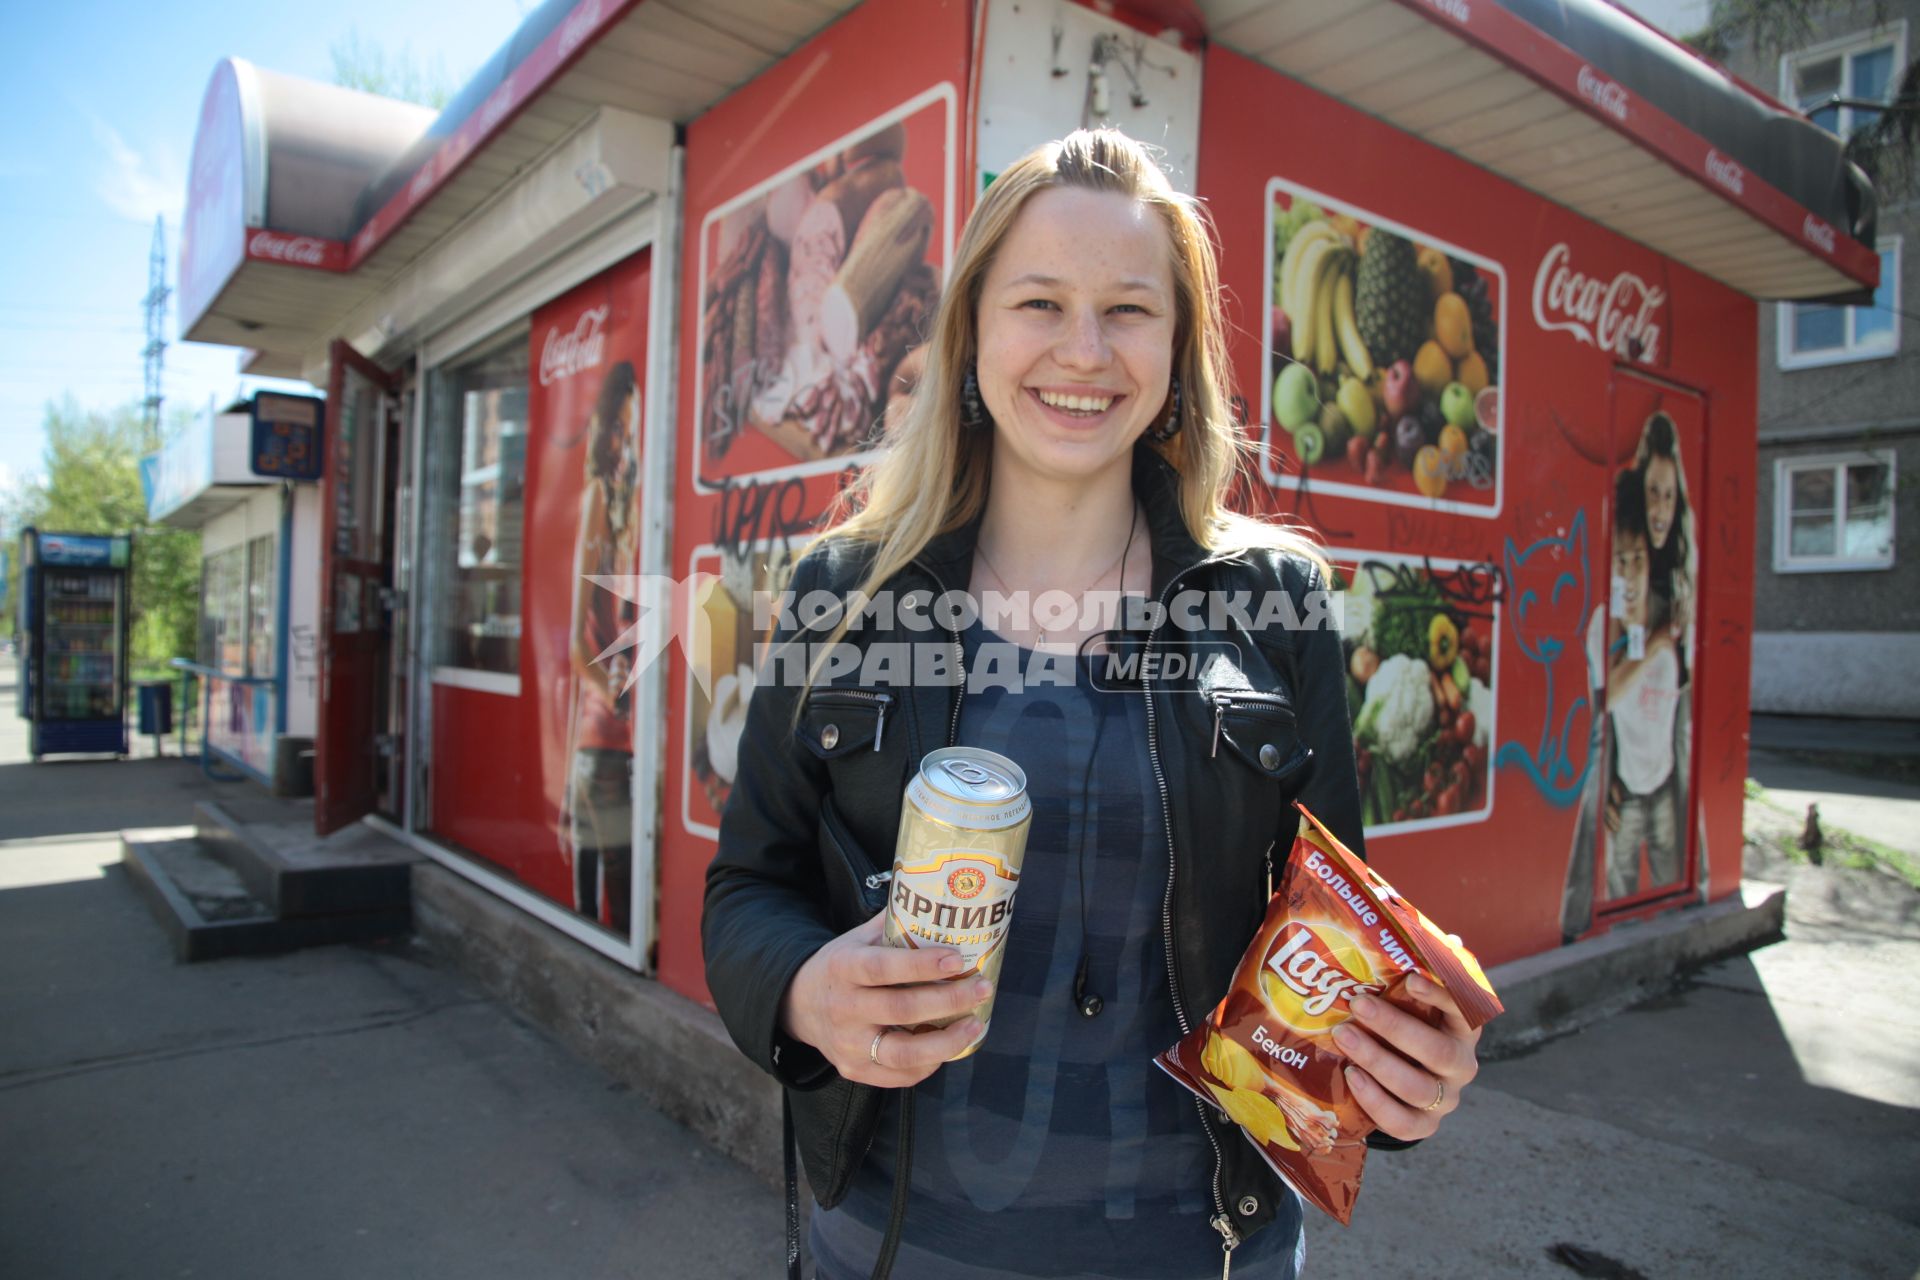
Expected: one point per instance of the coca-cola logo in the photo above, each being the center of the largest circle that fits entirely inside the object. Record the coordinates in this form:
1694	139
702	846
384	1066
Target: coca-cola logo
1603	93
422	181
1727	173
301	251
578	26
1620	316
565	354
494	109
1818	233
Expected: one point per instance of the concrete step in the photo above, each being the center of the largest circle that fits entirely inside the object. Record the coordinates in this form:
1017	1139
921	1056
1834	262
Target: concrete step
209	912
272	847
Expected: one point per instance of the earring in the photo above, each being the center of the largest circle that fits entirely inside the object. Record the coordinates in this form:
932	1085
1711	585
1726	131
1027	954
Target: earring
973	411
1168	427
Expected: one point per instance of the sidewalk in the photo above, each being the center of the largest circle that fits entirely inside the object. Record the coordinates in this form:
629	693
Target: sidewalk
359	1111
350	1111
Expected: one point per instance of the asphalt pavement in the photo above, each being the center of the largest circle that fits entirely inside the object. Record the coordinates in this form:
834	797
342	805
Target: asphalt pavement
362	1111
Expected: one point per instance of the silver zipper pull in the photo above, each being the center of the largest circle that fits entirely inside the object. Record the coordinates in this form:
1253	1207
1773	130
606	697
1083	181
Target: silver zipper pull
880	729
1270	845
1219	714
1227	1242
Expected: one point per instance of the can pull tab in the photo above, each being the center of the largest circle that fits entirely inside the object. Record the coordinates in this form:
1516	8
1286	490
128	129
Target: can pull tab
879	878
967	772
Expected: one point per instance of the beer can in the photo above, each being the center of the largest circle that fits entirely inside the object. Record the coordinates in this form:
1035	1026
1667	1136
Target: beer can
956	864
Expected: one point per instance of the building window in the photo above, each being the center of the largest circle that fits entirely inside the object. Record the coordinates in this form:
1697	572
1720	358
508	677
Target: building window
1834	512
483	406
223	611
1812	334
237	609
261	644
1859	67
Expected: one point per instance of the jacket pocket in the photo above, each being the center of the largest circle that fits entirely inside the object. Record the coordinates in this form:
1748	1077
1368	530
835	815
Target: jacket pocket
1260	729
833	1126
839	722
856	884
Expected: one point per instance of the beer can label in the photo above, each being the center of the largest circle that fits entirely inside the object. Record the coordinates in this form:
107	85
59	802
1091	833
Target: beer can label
956	869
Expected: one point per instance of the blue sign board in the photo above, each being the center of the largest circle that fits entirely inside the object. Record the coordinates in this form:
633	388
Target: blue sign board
82	550
286	436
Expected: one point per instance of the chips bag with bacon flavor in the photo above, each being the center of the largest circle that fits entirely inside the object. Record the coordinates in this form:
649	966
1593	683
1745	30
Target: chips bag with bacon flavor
1266	1054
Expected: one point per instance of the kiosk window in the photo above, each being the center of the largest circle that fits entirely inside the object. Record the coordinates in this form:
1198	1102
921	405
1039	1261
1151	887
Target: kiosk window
484	487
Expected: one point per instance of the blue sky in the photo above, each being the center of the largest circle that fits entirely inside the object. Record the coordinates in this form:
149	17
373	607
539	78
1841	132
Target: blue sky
101	102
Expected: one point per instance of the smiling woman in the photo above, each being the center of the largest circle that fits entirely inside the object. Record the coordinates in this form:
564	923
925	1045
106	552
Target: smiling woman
1069	439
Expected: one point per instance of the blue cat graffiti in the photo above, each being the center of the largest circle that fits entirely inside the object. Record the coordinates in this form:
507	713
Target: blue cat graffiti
1548	587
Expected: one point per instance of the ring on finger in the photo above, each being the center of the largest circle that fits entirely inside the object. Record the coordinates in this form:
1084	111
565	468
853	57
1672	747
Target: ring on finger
873	1050
1439	1093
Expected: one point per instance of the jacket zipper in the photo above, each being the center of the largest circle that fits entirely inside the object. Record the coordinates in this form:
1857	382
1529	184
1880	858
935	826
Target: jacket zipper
880	700
1229	1240
959	659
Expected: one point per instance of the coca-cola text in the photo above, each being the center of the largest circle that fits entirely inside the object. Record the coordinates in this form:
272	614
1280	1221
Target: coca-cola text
299	251
564	354
1619	316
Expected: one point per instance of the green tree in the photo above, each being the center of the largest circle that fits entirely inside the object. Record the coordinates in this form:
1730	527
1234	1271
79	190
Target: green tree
91	484
364	65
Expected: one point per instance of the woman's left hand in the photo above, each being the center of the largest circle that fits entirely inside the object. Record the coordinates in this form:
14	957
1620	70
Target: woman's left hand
1406	1073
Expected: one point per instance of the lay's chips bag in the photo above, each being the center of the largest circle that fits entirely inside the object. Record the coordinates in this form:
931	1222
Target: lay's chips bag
1266	1056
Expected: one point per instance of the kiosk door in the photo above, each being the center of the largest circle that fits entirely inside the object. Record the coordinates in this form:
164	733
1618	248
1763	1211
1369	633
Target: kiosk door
1646	647
361	443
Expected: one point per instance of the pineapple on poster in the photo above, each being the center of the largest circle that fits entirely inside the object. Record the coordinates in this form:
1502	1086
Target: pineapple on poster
1385	352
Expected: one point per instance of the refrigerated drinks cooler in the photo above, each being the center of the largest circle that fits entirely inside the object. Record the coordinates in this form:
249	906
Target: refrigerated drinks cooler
74	598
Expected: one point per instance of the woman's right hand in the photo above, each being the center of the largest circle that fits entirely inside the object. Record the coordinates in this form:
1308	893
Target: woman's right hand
857	987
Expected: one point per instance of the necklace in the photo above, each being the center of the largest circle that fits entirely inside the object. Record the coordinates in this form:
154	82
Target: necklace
1120	564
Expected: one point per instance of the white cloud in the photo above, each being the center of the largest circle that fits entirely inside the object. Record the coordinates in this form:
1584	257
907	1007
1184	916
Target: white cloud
136	185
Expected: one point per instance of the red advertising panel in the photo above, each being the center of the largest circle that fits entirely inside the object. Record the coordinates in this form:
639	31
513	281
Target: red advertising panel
538	781
822	207
1448	377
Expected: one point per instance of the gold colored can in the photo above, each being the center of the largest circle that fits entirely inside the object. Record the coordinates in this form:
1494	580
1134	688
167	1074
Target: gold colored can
956	864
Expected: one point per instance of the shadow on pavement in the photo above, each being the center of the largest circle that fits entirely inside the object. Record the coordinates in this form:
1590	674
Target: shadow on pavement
1778	772
1712	1067
62	797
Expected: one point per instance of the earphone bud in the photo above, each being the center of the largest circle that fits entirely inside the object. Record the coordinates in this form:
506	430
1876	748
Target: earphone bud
1090	1003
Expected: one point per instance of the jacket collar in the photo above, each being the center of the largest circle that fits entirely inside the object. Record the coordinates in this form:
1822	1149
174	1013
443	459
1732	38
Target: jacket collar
949	556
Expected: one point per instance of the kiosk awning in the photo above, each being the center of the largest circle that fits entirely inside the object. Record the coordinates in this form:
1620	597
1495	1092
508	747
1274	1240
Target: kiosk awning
279	277
1593	109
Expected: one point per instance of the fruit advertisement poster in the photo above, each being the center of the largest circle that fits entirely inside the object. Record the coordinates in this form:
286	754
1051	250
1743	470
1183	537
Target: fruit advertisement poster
817	289
1385	353
1420	638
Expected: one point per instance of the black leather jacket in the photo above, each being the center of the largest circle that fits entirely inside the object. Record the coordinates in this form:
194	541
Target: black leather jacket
815	808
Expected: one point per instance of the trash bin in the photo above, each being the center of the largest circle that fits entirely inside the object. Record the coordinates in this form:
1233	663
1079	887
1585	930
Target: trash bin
156	706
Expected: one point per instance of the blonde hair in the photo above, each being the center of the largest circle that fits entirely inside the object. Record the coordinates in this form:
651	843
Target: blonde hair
932	474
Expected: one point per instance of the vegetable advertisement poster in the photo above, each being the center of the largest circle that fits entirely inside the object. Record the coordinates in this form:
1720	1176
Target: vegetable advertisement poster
1419	637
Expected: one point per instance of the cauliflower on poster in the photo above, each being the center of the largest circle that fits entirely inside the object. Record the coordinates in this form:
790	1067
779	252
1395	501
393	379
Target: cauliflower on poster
1398	712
